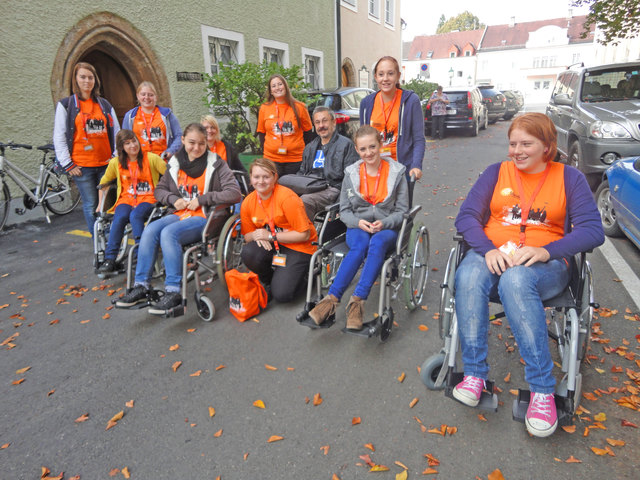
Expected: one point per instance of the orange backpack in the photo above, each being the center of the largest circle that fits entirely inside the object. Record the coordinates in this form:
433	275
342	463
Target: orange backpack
247	296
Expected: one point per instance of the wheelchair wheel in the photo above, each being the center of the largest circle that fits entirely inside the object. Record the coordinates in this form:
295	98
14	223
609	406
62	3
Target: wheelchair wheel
206	309
416	270
430	370
229	246
586	312
447	297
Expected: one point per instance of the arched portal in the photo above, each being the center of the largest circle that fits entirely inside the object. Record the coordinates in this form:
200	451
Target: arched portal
122	56
348	73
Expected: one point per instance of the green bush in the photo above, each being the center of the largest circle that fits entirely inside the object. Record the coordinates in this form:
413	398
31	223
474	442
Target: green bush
422	88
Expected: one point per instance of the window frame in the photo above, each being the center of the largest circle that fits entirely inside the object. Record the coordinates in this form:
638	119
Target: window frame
375	16
392	11
219	33
276	45
310	52
348	4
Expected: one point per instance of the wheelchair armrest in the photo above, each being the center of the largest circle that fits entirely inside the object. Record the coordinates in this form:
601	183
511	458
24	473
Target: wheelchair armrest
215	221
407	218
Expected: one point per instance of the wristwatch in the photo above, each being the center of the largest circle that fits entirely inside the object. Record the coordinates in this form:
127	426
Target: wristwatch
270	237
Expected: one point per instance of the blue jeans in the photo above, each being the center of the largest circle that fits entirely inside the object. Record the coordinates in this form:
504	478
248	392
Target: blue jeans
362	245
87	184
124	214
521	291
169	233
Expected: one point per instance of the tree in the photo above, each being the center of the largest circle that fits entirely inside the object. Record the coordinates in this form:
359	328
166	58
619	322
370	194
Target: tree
616	19
441	21
421	87
464	21
238	90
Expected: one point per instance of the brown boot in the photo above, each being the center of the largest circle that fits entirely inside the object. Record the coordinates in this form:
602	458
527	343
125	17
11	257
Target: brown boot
355	312
324	308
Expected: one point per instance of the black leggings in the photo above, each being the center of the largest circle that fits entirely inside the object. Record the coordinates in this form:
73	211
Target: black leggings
285	281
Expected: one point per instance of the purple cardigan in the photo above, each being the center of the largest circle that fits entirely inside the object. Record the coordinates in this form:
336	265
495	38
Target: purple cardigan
583	226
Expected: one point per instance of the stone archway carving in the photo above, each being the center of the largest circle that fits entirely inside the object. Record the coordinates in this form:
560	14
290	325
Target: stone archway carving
117	38
349	73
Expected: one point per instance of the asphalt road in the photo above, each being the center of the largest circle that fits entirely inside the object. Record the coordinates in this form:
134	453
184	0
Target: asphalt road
86	359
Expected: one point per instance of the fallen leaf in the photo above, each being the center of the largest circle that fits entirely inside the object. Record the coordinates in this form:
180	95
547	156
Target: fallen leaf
433	461
176	365
325	449
379	468
125	472
106	316
114	472
85	321
212	412
401	377
317	400
6	445
275	438
569	428
246	455
22	370
626	423
370	447
356	420
51	392
220	367
513	392
452	430
117	416
495	475
335	477
402	475
218	433
196	373
430	471
53	322
191	330
270	367
599	451
173	348
401	465
82	418
367	459
423	328
129	404
17	382
573	459
507	379
615	443
259	404
482	417
600	417
438	431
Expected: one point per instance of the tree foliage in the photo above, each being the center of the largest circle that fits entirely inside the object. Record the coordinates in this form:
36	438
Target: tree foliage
237	91
441	21
464	21
616	19
421	87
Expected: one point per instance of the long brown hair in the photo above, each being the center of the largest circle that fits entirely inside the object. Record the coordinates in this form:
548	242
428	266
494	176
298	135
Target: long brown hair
75	88
288	97
121	137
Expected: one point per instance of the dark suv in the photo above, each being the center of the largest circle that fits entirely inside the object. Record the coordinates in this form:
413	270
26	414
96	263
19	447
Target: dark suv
465	111
345	102
596	112
495	102
513	104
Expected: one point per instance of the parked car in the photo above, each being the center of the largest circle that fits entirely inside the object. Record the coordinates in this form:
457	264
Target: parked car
596	111
618	199
514	104
495	102
345	103
465	111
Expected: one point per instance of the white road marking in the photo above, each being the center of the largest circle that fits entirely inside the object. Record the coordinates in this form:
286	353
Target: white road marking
630	280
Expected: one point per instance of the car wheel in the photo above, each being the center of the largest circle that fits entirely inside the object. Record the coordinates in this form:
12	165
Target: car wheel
474	128
607	213
575	155
485	124
491	122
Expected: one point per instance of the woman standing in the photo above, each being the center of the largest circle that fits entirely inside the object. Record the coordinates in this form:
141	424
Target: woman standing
282	123
397	115
136	175
278	234
84	135
373	200
221	147
156	127
195	181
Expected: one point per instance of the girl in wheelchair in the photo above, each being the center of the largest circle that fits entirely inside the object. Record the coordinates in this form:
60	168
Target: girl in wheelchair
136	175
373	200
523	220
196	180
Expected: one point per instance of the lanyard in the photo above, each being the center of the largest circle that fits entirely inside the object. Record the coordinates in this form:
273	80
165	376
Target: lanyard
280	123
384	111
526	204
148	124
368	198
134	177
85	117
271	219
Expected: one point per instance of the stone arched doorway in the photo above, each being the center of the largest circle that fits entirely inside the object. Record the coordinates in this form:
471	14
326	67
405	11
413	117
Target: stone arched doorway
122	56
348	73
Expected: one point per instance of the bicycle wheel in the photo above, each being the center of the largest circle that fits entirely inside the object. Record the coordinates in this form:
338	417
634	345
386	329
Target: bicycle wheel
5	199
61	195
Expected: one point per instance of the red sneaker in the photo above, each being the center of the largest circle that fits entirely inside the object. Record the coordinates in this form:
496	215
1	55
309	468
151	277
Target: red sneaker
542	418
468	391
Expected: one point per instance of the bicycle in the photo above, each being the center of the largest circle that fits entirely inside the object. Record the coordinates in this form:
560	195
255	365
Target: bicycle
54	190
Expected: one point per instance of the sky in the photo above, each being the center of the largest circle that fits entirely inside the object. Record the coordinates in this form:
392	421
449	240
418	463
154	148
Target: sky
422	15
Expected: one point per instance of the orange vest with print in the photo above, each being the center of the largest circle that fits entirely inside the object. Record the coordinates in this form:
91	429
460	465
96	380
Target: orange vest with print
190	188
283	139
545	223
151	131
220	149
286	210
369	183
91	139
136	185
385	118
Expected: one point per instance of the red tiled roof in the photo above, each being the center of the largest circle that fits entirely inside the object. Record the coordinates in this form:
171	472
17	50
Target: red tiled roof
518	35
440	44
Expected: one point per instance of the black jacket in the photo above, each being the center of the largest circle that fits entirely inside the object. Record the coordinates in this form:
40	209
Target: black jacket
339	154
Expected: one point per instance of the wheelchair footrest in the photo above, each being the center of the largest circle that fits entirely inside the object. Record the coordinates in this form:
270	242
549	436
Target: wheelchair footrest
369	329
172	312
488	399
307	321
563	408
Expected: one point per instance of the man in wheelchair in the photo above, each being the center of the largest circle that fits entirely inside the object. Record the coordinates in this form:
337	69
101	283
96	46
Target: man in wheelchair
523	219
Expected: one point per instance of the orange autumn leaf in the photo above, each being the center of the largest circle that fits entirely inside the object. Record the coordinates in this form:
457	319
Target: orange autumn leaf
117	416
5	445
452	430
590	396
291	369
430	471
22	370
129	404
438	431
106	316
259	404
325	449
85	321
370	447
212	412
401	465
82	418
191	330
125	472
196	373
367	459
413	402
306	400
423	328
270	367
111	425
379	468
356	420
173	348
513	392
218	433
317	400
627	423
401	377
113	472
572	459
17	382
599	451
275	438
615	443
507	379
482	417
495	475
569	428
600	417
245	456
53	322
176	365
433	461
220	367
335	477
44	471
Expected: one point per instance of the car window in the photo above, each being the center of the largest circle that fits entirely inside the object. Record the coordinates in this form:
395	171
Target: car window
358	96
348	101
457	97
612	84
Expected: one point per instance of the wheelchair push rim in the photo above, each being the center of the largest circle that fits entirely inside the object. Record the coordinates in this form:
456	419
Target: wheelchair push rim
229	247
416	269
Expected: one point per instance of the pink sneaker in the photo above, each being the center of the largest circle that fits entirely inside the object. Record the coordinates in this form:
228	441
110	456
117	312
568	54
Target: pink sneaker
542	418
468	391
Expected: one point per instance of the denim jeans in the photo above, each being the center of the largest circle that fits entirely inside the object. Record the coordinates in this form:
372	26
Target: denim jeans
87	184
521	291
126	214
168	233
362	245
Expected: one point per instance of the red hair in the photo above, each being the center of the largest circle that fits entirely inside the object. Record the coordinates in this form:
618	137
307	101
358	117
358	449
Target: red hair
540	126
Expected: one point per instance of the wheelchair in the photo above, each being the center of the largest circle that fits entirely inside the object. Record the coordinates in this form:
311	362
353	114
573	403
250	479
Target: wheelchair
569	316
405	271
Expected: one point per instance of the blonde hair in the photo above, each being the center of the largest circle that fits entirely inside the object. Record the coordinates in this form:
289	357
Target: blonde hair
265	164
148	85
208	118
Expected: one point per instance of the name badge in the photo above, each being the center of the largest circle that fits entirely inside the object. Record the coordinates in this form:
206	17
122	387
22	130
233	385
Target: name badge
385	151
88	148
279	260
282	151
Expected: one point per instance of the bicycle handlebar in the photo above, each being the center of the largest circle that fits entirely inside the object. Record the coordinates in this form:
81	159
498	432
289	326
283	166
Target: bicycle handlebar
15	146
46	148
